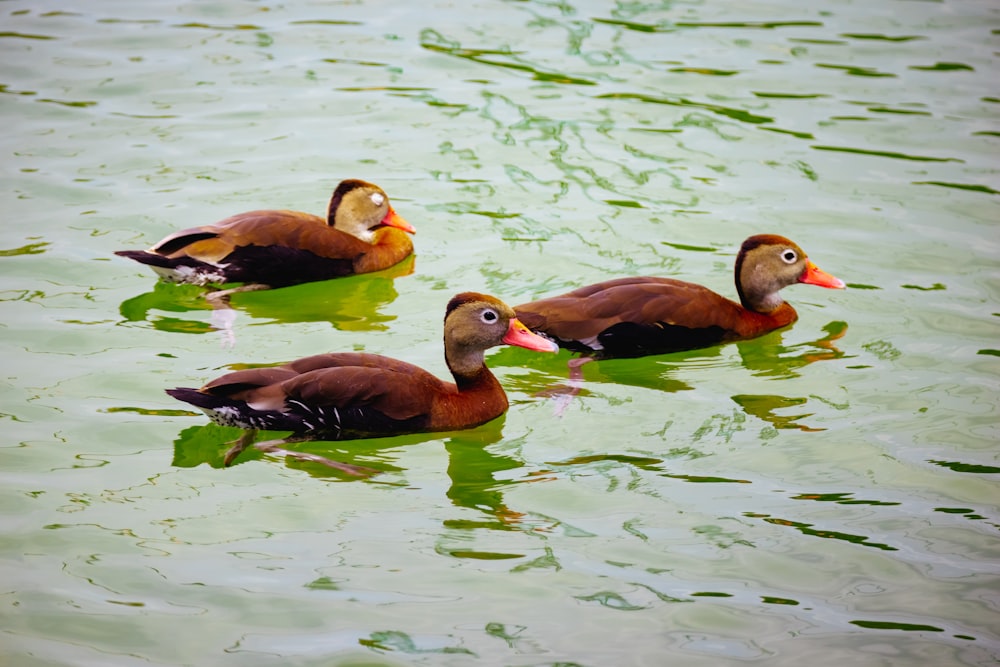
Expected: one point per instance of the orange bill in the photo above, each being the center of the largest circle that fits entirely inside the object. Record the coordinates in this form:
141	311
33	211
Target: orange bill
813	275
522	336
393	219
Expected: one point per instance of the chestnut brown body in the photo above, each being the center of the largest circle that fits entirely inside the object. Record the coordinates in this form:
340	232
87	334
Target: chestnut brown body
274	248
632	317
348	395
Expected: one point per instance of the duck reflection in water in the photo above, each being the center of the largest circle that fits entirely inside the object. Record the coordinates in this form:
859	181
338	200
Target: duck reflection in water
474	467
765	357
354	303
355	459
774	361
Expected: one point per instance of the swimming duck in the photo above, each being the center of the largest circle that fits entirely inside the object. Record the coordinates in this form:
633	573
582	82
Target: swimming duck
275	248
350	395
633	317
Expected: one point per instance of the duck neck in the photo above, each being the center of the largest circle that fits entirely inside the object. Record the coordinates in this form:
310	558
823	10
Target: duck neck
467	366
479	396
757	322
388	246
760	301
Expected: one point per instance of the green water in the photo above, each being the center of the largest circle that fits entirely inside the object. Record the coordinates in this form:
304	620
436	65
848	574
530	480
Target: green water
823	495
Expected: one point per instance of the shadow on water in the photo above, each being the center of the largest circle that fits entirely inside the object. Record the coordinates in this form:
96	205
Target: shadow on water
353	303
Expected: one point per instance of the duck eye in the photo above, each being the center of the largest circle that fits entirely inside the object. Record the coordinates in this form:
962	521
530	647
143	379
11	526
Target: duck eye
378	198
788	256
489	316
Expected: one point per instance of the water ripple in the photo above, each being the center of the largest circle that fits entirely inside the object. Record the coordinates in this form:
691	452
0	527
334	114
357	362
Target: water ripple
889	154
735	114
22	35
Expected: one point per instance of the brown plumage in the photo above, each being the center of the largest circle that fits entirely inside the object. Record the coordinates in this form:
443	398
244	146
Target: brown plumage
361	233
632	317
350	395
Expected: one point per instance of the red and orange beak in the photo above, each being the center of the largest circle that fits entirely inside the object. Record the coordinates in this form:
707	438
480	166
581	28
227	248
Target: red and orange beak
393	219
813	275
522	336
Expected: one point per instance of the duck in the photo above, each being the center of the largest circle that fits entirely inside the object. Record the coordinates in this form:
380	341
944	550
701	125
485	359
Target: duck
639	316
362	233
353	395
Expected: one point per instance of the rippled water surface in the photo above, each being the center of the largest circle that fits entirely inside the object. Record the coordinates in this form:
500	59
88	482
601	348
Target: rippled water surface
823	495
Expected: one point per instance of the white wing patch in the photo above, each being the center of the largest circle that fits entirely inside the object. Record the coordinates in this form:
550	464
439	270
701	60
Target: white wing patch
190	275
226	415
